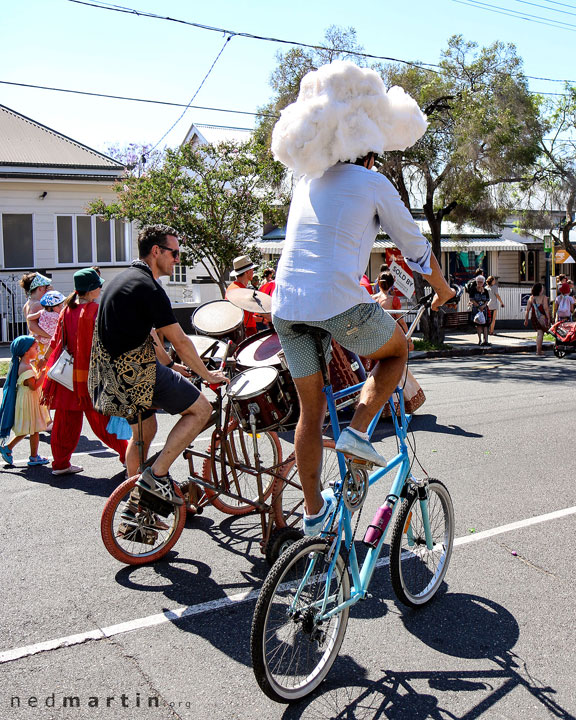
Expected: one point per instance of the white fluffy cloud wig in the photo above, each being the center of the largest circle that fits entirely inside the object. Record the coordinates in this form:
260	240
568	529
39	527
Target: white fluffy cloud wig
342	113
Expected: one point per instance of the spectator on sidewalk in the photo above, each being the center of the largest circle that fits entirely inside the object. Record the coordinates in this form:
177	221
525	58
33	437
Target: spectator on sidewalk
492	288
539	312
564	303
479	299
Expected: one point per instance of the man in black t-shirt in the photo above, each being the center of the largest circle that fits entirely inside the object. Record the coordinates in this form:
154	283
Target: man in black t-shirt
133	306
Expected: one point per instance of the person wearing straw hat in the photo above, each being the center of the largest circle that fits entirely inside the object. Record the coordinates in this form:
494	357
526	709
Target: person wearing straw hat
330	137
242	274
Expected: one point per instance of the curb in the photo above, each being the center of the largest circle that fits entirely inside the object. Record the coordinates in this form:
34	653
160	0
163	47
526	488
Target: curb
466	351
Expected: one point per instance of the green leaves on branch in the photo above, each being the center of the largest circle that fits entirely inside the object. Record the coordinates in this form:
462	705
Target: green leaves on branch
215	196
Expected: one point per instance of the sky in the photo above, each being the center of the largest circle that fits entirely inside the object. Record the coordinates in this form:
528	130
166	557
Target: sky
62	44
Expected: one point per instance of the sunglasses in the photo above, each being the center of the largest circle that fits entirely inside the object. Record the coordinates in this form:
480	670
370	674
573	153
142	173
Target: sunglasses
175	253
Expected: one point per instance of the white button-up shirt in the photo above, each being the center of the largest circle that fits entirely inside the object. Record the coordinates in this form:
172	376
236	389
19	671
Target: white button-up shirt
332	225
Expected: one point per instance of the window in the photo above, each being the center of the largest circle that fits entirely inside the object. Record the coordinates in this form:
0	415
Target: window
86	239
178	275
528	269
18	241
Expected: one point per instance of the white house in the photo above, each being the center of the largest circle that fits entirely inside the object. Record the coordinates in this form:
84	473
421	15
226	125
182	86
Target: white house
46	183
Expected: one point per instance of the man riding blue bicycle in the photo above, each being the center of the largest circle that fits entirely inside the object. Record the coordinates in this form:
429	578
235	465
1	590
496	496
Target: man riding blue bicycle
331	136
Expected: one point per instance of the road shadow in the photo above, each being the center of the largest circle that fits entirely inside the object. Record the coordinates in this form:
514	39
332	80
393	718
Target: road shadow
467	627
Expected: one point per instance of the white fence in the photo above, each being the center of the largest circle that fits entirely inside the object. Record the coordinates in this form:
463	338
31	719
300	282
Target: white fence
12	300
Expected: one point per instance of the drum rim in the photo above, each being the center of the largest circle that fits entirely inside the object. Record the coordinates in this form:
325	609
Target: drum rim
263	334
253	394
214	333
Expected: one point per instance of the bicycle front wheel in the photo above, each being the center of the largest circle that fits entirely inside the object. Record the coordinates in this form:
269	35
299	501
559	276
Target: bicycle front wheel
292	649
239	449
417	571
147	536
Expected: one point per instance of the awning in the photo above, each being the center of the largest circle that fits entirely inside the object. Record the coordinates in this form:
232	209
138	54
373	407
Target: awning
447	245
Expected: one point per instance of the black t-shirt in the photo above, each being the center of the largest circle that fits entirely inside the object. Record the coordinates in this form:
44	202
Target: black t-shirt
132	304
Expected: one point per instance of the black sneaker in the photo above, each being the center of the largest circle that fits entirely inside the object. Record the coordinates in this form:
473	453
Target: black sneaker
161	487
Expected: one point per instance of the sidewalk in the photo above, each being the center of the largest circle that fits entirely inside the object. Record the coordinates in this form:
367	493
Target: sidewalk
464	342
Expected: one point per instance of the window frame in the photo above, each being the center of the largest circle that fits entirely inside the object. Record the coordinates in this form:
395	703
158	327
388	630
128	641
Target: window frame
3	255
182	272
94	241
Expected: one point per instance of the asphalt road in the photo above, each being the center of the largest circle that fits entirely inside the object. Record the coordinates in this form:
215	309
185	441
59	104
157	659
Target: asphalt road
497	642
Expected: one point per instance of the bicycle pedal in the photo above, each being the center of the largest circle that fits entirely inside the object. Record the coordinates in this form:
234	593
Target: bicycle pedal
156	504
358	462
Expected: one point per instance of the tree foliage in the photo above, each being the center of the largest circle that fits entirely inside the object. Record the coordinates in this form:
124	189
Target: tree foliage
555	186
214	195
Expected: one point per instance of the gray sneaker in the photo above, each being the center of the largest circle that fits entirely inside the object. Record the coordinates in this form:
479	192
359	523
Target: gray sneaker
350	444
161	487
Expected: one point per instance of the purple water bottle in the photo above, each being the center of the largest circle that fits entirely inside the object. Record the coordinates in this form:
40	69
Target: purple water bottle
378	525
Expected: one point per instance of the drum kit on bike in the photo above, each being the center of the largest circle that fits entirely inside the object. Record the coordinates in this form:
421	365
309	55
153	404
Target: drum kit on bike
243	470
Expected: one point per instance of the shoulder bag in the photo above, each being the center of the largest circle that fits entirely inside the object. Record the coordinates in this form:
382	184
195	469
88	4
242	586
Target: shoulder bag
63	369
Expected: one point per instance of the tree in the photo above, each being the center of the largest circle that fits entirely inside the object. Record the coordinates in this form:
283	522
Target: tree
554	188
136	157
483	140
213	195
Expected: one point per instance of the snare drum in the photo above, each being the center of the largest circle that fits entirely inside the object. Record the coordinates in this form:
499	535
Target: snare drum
219	318
260	391
211	350
260	350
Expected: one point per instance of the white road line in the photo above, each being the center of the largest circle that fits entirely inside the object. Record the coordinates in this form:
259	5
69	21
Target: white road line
233	600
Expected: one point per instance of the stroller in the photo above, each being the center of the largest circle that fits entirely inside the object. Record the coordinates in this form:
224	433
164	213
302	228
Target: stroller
565	337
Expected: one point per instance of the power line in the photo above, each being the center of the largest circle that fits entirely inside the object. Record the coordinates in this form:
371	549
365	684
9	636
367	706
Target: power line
511	13
564	12
234	33
134	99
228	38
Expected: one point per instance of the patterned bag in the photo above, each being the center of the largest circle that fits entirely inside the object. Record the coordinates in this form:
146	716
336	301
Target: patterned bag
123	386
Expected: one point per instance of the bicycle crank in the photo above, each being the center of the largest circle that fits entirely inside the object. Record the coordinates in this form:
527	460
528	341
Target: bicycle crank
355	486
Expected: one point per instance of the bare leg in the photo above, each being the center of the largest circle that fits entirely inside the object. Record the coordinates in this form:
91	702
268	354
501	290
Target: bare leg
493	323
15	441
539	340
186	429
149	427
382	380
308	439
34	442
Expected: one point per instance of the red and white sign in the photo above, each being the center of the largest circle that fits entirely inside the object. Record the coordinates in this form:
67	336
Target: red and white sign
402	281
394	257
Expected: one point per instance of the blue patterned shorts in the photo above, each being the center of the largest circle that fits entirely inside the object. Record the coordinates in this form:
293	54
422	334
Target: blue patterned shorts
363	329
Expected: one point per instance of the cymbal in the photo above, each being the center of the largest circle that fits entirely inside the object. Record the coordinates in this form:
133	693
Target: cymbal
250	300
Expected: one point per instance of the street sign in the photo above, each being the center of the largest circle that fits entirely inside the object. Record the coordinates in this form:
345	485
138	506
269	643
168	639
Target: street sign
562	256
548	243
402	280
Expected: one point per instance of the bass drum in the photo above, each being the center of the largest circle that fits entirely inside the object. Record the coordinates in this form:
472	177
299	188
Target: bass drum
220	319
260	350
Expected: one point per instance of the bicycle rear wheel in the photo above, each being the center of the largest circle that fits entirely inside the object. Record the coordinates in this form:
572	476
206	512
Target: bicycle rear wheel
417	572
291	651
147	537
240	451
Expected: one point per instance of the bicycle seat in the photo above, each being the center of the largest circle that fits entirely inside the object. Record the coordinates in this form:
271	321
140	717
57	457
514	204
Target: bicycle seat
310	330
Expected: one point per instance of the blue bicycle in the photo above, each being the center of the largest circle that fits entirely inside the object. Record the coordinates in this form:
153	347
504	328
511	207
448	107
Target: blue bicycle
302	611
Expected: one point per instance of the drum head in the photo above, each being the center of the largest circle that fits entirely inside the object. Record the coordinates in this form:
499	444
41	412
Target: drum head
252	382
259	351
218	317
208	347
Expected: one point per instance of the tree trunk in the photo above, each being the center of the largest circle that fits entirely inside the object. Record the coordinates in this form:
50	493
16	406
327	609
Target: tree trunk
432	323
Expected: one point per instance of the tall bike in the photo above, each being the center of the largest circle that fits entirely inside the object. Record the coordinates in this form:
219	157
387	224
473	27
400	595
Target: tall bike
302	611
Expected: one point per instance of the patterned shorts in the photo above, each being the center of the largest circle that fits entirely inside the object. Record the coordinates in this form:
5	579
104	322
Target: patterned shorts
363	329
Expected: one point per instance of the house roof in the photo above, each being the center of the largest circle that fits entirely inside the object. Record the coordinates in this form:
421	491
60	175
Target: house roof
30	149
214	134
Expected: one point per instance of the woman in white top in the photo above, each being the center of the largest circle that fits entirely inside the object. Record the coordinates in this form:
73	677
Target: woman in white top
492	287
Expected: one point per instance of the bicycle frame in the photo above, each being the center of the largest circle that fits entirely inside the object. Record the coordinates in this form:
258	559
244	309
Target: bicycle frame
361	575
